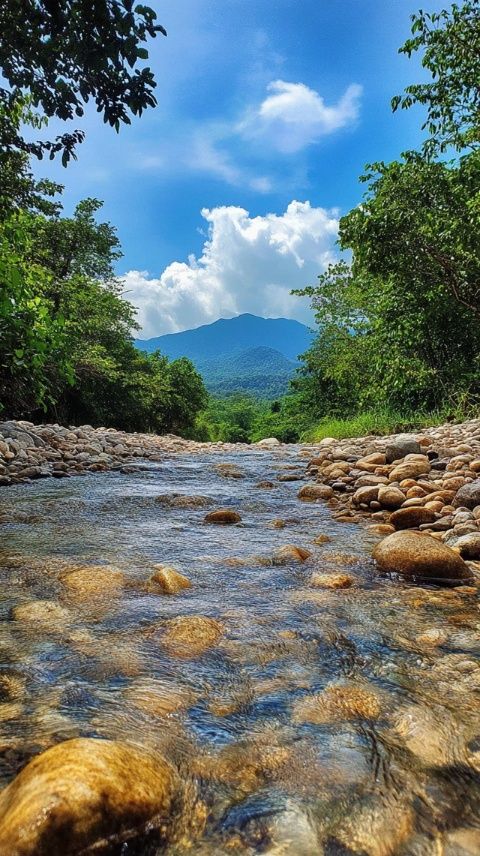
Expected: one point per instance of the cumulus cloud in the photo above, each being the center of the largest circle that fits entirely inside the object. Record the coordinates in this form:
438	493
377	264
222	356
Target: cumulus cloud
248	264
293	116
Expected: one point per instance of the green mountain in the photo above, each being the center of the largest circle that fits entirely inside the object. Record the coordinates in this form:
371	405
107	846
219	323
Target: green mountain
263	372
242	354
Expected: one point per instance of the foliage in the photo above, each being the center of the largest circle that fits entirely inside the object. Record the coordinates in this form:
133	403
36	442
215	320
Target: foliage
379	421
400	325
64	54
241	418
450	41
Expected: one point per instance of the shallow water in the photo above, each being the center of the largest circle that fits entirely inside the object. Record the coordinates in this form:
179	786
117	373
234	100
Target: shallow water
397	772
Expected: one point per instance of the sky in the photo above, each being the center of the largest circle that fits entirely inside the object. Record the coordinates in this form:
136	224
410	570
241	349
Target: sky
227	195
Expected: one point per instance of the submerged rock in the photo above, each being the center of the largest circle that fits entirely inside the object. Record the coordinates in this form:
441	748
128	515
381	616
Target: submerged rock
290	553
190	636
42	615
223	516
167	580
413	554
338	702
86	793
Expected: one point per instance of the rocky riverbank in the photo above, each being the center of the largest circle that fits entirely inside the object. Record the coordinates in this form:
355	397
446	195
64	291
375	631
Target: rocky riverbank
421	491
29	451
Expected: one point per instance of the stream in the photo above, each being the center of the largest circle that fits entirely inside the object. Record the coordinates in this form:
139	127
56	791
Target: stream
386	762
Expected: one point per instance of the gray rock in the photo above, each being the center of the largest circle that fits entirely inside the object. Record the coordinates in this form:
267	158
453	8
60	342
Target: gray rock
468	495
404	444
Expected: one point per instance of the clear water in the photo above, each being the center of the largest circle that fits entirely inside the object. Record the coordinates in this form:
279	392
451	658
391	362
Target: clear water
263	780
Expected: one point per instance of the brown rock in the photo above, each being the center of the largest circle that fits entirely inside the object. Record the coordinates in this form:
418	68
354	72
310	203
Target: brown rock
189	636
223	516
411	517
331	581
312	492
390	497
290	553
341	702
409	470
468	495
413	554
167	580
85	793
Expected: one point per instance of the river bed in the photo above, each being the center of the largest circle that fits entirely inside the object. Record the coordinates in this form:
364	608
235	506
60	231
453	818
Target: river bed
322	720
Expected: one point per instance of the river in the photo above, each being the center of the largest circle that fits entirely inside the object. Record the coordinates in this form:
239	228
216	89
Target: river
395	771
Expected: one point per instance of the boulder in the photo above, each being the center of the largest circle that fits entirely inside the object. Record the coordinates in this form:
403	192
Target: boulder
92	581
415	555
167	580
412	517
189	636
365	495
468	495
43	616
83	794
312	492
410	470
268	441
290	553
404	444
336	703
390	497
469	545
223	516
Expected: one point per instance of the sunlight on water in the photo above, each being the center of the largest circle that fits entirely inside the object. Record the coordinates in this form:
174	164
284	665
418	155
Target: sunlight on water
311	719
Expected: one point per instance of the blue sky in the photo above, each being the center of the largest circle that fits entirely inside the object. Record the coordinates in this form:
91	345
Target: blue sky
268	111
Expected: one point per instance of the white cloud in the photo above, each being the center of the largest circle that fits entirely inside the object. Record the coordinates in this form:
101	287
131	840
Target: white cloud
248	264
294	116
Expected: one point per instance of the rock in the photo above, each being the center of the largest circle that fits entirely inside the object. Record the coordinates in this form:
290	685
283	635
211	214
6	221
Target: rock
337	702
468	495
94	581
469	545
412	517
83	794
413	554
223	516
404	444
410	470
167	580
365	495
43	616
331	581
290	553
189	636
390	497
179	500
229	471
268	441
312	492
322	539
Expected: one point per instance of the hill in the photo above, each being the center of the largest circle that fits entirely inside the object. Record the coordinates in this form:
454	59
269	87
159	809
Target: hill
262	372
242	354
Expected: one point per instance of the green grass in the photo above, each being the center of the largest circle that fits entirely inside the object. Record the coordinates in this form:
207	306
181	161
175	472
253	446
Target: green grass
376	422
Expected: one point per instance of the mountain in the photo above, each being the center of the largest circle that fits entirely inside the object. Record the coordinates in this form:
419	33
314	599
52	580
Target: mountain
242	354
230	335
263	372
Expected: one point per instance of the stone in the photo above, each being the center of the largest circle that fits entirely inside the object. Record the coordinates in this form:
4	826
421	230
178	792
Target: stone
268	441
403	444
223	516
365	495
410	470
229	471
189	636
167	580
290	553
331	581
468	495
416	555
179	500
312	492
93	581
337	702
469	545
412	517
43	616
86	793
390	497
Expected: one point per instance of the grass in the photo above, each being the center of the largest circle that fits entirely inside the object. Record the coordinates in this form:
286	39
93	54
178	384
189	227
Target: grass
375	422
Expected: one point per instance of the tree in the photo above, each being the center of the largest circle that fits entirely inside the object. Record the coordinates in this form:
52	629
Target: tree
62	54
450	41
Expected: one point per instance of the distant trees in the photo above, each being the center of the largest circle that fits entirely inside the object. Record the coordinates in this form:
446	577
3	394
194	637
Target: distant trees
399	324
